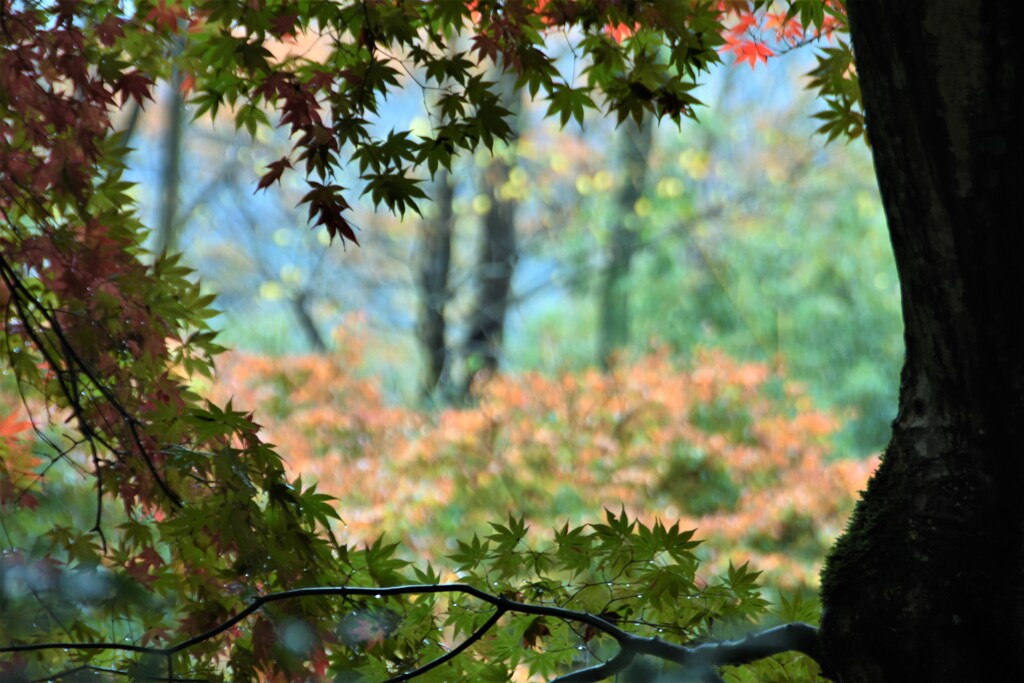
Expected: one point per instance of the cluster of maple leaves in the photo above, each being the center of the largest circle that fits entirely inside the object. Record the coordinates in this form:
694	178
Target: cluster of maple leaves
104	338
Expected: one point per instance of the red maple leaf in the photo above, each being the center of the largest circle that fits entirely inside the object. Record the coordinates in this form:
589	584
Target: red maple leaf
744	23
135	85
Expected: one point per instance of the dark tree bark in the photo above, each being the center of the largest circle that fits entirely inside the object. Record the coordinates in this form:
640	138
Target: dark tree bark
927	584
614	306
435	263
495	265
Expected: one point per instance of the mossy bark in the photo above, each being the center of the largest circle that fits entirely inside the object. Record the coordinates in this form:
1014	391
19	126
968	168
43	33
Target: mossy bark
928	581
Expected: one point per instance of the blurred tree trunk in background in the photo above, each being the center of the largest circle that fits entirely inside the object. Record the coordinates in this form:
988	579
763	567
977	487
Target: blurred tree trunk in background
170	173
635	150
303	313
435	254
496	261
434	270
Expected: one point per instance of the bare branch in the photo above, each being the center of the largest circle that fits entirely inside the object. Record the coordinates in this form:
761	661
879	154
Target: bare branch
796	637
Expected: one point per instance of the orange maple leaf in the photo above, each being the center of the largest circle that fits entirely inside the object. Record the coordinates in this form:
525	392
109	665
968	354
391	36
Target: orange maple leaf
748	51
787	30
11	425
619	32
187	85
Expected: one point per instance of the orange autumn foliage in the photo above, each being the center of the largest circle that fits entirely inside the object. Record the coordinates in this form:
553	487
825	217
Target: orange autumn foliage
18	463
726	447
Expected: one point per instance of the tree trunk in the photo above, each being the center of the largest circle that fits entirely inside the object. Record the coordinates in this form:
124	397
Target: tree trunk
496	263
435	263
304	314
614	306
927	584
170	174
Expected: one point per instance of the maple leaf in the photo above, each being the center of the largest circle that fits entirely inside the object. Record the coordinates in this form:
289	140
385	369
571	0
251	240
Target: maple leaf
737	7
368	628
110	29
188	84
274	174
534	632
786	29
284	26
142	566
487	46
619	32
744	23
157	634
327	205
13	425
264	637
829	26
166	18
748	51
135	85
609	615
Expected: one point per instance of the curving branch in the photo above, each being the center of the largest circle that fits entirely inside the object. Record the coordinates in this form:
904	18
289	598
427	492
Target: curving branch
90	669
26	304
602	671
702	659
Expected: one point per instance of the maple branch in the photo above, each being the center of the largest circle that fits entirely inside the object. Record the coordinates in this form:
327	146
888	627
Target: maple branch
702	659
21	296
97	526
89	668
454	652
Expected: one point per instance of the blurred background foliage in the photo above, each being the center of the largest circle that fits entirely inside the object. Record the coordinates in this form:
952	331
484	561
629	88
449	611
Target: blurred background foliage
746	233
729	448
698	324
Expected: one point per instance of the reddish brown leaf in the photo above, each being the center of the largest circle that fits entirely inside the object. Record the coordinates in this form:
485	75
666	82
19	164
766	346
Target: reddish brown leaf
284	25
164	18
110	29
135	85
274	174
534	632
